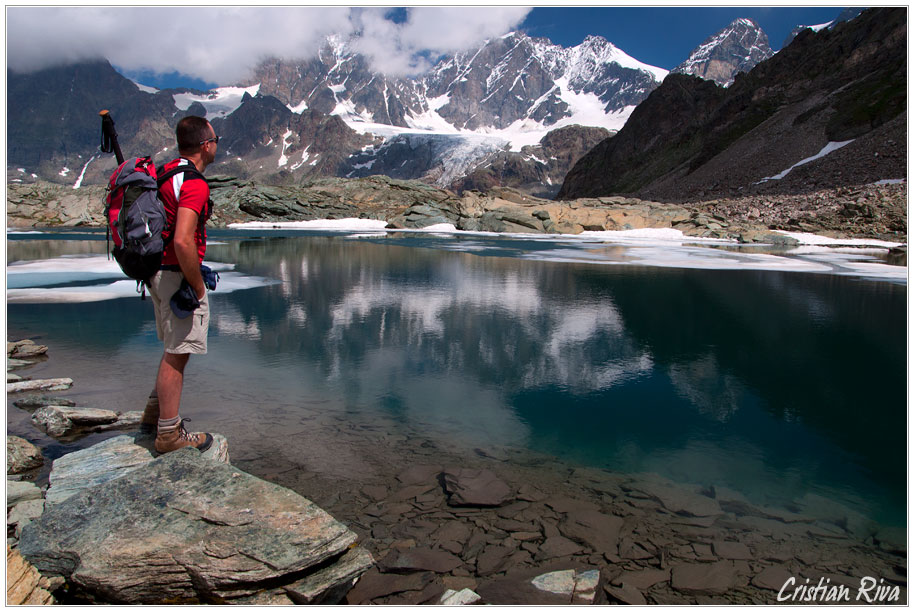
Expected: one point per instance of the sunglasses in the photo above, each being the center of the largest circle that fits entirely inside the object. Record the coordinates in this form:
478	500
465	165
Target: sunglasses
214	139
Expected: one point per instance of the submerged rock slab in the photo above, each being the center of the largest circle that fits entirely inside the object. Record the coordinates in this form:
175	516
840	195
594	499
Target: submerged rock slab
534	587
594	529
183	529
468	487
420	558
707	578
679	499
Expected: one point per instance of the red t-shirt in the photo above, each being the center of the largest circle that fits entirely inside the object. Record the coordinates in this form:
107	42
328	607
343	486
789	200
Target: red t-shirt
185	190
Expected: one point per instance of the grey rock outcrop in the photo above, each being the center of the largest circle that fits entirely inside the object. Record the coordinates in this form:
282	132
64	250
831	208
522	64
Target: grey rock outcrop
184	529
862	211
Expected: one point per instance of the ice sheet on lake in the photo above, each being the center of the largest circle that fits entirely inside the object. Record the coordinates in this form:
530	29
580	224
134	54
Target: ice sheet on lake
94	278
346	225
655	247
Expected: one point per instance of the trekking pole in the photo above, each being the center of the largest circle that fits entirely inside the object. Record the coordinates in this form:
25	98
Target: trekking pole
109	137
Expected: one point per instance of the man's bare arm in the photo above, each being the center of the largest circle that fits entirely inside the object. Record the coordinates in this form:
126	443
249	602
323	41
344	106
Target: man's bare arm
186	249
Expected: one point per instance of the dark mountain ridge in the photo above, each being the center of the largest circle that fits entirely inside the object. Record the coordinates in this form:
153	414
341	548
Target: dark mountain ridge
691	139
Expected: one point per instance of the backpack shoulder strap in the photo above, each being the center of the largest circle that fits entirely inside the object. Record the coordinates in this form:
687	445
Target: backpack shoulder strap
186	168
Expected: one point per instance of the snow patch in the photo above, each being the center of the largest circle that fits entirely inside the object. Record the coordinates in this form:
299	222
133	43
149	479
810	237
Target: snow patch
298	108
438	102
219	102
832	146
305	156
814	239
79	181
146	88
283	160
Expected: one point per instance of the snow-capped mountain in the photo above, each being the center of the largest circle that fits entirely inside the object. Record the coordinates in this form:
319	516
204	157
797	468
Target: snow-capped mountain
333	115
736	48
513	82
444	124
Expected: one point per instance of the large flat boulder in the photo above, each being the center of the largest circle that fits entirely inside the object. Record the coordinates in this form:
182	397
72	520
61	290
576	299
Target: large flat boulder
108	460
182	528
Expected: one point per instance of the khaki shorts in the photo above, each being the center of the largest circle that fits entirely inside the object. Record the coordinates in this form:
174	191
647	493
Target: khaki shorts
179	335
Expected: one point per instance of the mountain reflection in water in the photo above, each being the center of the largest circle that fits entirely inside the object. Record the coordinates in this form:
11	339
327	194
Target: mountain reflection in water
775	384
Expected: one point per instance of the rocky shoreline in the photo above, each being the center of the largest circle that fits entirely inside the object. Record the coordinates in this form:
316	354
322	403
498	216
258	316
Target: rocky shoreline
875	211
520	528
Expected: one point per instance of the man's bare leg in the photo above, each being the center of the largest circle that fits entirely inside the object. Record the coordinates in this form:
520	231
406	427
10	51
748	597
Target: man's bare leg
171	434
170	383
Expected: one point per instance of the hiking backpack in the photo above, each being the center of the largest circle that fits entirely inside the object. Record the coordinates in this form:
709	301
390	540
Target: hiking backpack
136	217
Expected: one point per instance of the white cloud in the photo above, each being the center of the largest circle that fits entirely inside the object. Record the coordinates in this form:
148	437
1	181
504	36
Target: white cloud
221	44
395	48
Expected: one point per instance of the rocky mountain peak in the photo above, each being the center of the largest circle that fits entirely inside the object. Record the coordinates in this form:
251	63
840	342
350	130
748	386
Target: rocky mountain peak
736	48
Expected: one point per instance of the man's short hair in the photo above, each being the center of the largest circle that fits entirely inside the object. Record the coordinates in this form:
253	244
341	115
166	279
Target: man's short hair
191	131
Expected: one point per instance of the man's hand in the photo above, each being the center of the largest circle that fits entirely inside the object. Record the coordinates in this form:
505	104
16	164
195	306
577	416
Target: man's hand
186	249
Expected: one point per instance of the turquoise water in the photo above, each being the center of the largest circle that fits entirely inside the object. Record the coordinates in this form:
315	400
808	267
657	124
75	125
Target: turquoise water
779	385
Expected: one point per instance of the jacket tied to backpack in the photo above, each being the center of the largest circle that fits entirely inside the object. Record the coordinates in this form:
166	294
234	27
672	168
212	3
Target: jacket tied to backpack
137	221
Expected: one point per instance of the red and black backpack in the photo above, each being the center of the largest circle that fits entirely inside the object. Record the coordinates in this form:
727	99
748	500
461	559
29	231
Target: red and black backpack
137	220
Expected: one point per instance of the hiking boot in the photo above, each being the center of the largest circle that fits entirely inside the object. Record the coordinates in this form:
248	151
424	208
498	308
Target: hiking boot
175	437
150	421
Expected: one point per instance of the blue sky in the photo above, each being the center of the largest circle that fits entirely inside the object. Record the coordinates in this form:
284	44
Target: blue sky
395	41
664	36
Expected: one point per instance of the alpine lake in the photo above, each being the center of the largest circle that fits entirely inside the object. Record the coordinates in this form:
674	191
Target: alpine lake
337	360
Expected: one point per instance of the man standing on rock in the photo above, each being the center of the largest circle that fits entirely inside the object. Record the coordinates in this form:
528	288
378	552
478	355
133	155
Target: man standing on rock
178	290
